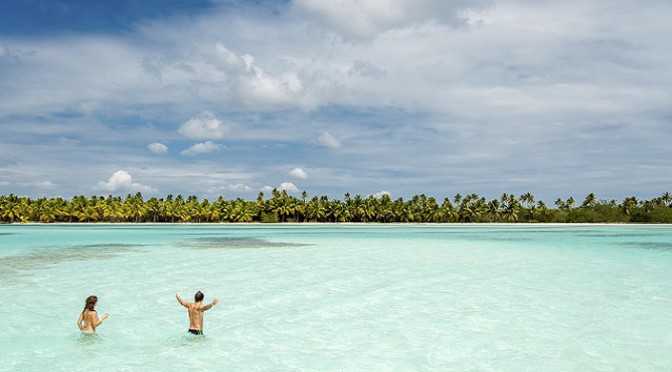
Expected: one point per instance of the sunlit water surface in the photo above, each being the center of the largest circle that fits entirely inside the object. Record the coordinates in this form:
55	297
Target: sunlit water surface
340	298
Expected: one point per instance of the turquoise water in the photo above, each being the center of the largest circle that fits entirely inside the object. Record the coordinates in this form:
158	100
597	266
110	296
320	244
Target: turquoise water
340	298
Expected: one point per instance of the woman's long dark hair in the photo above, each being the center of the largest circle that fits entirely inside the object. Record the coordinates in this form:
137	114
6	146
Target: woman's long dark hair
90	303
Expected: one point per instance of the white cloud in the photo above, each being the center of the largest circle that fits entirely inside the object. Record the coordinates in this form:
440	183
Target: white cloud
237	187
298	173
122	181
380	194
361	19
157	148
273	91
226	55
47	185
4	183
2	51
330	141
288	186
202	148
204	126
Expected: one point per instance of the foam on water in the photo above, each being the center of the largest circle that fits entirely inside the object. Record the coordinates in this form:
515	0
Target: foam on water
307	297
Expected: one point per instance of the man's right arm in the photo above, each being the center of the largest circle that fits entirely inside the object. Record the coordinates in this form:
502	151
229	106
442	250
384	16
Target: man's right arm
182	302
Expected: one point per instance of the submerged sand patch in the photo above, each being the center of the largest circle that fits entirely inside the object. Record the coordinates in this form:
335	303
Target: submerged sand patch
14	267
236	243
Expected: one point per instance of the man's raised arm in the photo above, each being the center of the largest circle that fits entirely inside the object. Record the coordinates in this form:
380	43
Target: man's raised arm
179	299
210	305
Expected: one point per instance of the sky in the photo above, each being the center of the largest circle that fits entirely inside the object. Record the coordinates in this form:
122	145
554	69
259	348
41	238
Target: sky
558	98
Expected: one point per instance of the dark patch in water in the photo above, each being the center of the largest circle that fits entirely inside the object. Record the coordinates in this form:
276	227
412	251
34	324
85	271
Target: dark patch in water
658	246
13	266
620	235
237	243
4	234
277	232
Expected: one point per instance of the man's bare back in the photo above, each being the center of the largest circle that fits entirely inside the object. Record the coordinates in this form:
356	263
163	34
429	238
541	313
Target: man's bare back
195	310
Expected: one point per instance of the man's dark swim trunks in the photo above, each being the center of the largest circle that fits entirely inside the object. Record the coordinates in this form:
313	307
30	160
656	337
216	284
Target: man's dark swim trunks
195	331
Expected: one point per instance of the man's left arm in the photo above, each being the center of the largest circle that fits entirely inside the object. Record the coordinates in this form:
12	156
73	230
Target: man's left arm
210	305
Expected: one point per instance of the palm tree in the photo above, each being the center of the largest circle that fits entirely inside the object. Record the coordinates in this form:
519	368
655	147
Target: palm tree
315	210
493	210
153	208
560	203
528	199
11	209
89	213
629	204
48	212
244	211
542	208
510	208
590	200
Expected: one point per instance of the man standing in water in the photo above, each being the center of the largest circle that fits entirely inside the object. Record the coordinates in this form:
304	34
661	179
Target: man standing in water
196	310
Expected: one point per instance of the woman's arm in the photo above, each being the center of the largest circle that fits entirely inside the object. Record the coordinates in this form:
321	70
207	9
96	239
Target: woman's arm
79	321
96	322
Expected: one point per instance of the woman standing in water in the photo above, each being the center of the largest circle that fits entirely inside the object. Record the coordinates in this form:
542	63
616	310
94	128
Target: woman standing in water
88	319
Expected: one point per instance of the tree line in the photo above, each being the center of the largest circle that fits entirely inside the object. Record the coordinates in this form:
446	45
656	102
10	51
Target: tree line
282	207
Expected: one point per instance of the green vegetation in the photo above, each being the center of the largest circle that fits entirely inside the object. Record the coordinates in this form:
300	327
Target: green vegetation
282	207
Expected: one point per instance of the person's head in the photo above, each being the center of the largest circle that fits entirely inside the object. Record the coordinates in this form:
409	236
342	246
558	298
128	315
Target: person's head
198	297
90	303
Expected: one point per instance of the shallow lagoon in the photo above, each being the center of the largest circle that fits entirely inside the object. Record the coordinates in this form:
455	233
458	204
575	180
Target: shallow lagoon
340	297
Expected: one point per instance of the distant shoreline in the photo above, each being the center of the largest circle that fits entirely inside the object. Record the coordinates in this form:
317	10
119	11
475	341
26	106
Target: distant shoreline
334	224
284	208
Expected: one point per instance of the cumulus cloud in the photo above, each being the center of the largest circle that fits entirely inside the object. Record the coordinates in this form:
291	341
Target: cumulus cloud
285	186
122	181
237	187
330	141
272	91
289	187
380	194
205	126
157	148
298	173
202	148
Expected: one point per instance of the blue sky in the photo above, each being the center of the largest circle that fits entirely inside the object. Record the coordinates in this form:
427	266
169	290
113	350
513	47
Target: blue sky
557	98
